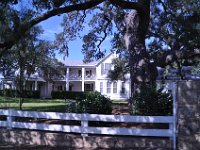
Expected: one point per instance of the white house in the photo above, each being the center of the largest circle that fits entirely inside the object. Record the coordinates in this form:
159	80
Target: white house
91	77
78	76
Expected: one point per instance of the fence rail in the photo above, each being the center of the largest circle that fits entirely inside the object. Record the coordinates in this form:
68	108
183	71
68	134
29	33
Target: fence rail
84	128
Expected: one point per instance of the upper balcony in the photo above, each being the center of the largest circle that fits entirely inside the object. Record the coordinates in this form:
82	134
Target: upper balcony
75	77
59	77
90	77
79	77
79	73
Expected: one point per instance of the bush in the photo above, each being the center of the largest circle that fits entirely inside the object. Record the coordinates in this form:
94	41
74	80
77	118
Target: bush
95	103
152	102
16	93
31	94
67	95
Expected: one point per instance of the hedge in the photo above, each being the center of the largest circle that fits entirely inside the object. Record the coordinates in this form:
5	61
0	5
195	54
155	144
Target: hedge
68	95
16	93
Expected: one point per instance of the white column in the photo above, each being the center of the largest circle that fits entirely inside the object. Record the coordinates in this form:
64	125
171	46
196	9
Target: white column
83	79
67	79
36	84
97	84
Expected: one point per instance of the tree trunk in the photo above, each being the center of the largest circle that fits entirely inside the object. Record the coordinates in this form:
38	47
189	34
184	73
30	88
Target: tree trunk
142	72
21	88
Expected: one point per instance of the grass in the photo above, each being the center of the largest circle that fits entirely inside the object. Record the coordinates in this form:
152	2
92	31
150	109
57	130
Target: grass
55	105
120	101
47	105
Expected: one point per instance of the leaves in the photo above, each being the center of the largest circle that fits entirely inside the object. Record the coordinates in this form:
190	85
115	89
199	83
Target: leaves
152	102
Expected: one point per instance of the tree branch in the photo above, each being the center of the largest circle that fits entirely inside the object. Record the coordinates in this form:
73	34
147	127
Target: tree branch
67	9
168	57
26	26
108	21
127	5
165	8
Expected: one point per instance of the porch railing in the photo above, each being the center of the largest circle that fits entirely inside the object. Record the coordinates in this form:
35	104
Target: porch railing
77	77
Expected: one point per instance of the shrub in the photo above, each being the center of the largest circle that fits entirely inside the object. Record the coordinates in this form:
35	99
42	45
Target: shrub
16	93
67	95
9	93
31	94
152	102
95	103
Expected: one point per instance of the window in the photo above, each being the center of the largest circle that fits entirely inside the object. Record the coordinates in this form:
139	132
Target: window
65	72
101	87
107	68
123	88
102	68
88	73
114	87
108	87
60	88
88	87
79	73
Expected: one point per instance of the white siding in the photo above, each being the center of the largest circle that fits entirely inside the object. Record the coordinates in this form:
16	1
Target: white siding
104	79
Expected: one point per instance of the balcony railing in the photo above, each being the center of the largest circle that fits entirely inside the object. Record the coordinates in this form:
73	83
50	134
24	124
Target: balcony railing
90	77
77	77
61	77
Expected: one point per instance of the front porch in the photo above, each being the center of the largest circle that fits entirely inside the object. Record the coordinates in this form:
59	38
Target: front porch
76	86
79	86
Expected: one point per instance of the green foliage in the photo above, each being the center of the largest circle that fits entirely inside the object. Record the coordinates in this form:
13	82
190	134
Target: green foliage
120	69
67	95
86	102
175	27
16	93
152	102
70	106
95	103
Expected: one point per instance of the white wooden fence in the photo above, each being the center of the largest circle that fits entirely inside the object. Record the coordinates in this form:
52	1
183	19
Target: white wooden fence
84	128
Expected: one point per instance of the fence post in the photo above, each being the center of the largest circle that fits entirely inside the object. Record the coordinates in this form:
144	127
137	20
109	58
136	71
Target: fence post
174	92
84	123
173	138
9	119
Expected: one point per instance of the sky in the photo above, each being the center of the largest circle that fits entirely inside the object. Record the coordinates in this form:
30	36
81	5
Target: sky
52	26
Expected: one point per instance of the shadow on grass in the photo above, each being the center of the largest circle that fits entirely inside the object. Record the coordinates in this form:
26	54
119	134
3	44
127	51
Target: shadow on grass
29	100
56	108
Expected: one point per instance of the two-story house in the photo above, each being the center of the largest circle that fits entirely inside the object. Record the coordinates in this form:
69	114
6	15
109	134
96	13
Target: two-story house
92	76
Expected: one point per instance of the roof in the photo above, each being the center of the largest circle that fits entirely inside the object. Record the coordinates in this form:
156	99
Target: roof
101	60
77	63
80	63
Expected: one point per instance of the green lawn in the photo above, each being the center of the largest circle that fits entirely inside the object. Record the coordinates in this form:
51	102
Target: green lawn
120	101
55	105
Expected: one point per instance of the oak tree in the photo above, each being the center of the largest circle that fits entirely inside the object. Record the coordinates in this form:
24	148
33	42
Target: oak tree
171	27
